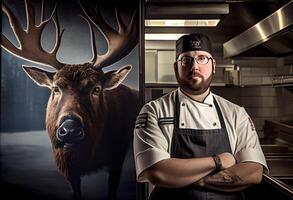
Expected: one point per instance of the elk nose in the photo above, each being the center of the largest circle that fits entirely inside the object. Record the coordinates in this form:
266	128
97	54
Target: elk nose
70	131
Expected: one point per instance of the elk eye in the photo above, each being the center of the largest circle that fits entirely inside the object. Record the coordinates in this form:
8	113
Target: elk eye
96	90
55	90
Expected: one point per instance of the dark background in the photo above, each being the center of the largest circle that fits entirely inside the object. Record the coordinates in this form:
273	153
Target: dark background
28	170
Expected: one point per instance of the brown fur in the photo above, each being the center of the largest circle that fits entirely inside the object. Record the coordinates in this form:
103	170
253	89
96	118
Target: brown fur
108	119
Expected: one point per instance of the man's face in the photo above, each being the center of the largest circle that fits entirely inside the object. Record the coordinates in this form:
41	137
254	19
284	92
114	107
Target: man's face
192	77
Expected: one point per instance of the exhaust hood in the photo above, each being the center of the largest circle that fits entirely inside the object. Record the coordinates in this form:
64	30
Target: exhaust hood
273	36
187	11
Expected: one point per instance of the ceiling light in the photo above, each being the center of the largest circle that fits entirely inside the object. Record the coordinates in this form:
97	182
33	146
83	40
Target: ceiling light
162	36
182	22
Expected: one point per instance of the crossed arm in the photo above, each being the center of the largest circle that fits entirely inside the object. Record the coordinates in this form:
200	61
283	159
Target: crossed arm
174	173
235	178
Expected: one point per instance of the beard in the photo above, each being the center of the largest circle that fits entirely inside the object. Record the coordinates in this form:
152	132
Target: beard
195	83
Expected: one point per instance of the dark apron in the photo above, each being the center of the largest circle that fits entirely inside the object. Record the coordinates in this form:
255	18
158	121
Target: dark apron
195	143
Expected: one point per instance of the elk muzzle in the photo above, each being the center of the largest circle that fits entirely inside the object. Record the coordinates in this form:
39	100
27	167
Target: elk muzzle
70	131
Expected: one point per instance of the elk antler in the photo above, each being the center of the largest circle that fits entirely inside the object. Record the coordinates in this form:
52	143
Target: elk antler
120	42
30	39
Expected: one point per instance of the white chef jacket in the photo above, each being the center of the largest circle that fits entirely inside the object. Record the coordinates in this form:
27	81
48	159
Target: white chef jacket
154	128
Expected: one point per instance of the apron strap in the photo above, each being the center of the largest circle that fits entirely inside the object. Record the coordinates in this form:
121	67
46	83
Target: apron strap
223	126
176	111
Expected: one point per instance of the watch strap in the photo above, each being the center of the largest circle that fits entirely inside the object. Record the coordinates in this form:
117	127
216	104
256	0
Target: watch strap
218	163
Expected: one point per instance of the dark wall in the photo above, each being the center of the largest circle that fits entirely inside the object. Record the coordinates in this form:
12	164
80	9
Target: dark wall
23	103
261	103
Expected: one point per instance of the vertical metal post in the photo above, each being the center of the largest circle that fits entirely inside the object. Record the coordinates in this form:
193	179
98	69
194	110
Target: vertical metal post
141	188
141	52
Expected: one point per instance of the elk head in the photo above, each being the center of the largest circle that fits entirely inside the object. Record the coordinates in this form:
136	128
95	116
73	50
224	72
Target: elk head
76	90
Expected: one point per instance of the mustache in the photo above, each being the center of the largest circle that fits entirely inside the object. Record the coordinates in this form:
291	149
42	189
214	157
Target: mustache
191	74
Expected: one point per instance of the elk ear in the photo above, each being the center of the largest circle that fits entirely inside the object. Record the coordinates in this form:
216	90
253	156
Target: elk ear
41	77
114	78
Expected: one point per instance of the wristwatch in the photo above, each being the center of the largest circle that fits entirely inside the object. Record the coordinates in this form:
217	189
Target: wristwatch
218	163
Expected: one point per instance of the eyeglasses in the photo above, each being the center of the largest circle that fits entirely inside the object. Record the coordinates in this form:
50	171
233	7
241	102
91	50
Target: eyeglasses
187	61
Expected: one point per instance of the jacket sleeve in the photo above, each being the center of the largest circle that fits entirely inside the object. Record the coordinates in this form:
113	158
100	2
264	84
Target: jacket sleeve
248	148
149	144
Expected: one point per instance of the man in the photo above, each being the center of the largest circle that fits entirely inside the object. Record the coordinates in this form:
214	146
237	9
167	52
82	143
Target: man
191	143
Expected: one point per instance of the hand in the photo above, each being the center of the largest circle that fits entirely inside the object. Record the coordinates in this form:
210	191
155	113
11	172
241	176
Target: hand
227	160
199	183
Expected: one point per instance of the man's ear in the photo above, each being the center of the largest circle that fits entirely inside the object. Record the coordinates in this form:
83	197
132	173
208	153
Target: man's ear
175	66
214	66
114	78
39	76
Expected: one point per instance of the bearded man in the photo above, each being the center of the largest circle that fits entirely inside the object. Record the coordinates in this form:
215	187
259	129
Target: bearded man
191	143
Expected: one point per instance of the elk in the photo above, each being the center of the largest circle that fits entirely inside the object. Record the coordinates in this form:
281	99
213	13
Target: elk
90	114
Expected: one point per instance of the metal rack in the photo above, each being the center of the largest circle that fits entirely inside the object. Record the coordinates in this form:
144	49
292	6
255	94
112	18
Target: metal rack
283	80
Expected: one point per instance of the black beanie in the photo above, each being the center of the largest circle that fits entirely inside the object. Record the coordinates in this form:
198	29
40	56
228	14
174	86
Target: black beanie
193	42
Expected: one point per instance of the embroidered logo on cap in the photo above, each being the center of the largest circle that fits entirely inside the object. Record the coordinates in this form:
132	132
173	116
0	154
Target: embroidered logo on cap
195	44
